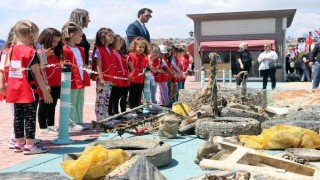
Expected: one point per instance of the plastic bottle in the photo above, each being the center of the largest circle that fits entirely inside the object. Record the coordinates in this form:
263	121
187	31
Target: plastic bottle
41	53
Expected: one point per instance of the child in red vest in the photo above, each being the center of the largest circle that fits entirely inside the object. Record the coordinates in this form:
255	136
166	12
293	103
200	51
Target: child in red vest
23	76
138	62
103	63
184	66
161	72
121	84
72	35
50	38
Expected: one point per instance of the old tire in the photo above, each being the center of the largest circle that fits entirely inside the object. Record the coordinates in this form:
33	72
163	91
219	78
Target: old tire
33	175
234	112
157	152
226	126
312	125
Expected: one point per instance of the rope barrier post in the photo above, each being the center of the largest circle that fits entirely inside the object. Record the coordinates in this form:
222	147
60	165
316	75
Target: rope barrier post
230	77
146	90
224	77
63	136
202	77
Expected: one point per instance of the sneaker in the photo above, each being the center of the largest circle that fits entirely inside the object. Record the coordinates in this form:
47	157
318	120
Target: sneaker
48	131
19	147
35	149
53	128
85	126
11	143
77	127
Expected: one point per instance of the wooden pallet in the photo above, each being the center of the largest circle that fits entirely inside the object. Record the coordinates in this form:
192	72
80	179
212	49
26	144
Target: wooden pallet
234	157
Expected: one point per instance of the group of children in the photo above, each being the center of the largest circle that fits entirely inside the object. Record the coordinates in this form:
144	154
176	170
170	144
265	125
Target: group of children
26	80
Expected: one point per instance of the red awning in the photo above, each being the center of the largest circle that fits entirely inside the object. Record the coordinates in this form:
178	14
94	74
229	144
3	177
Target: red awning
234	45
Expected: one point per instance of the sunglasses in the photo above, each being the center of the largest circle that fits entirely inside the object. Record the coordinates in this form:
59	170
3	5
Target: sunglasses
148	15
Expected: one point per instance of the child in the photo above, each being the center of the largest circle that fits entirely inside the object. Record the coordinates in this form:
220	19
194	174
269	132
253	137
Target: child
160	71
154	67
50	38
103	63
3	57
138	62
72	35
23	66
173	64
183	59
120	87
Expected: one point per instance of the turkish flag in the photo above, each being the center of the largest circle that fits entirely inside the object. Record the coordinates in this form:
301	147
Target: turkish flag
309	40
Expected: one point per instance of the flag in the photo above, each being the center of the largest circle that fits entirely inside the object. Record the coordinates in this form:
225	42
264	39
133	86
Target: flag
309	39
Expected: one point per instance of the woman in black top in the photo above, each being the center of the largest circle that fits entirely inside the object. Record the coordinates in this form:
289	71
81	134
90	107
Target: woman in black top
81	18
243	60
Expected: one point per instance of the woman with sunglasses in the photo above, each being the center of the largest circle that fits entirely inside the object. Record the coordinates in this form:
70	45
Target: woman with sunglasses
265	58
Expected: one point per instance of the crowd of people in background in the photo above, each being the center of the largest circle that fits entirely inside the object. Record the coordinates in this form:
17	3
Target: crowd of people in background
31	83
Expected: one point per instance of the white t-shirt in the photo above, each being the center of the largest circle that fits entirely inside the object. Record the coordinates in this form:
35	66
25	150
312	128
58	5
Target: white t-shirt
270	55
2	60
77	54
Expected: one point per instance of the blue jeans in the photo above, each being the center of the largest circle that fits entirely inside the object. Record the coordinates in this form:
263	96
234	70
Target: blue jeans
153	90
316	75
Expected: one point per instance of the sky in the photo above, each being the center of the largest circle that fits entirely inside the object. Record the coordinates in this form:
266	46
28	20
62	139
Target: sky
169	16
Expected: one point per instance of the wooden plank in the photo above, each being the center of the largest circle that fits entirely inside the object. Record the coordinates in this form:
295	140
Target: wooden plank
258	162
222	165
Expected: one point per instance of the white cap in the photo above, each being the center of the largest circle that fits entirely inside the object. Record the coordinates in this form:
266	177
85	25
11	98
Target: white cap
163	49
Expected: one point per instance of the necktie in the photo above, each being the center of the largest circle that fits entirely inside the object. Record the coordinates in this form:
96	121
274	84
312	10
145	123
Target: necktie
145	29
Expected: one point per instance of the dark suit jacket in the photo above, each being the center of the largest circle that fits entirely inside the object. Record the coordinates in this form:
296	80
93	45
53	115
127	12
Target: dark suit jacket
135	29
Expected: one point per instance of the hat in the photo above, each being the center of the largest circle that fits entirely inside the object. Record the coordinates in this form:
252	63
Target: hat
163	49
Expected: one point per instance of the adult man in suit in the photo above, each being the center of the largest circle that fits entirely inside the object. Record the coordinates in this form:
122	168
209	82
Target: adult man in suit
137	28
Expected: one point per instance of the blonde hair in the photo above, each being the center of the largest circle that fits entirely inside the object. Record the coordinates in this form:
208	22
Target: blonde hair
78	16
67	29
242	45
25	29
139	40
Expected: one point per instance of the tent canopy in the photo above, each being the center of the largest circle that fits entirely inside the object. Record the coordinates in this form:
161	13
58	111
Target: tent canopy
234	45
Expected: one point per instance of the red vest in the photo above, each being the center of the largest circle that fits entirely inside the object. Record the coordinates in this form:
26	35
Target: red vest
76	82
166	76
107	63
121	70
184	66
156	63
53	72
19	89
139	63
4	70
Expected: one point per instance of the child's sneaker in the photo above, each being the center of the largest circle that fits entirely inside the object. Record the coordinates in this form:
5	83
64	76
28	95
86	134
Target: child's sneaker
35	149
18	147
11	143
48	131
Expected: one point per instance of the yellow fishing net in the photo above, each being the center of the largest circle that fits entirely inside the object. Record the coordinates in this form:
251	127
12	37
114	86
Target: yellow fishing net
95	162
282	137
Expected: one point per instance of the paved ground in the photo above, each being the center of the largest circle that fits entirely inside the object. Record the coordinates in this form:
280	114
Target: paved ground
184	148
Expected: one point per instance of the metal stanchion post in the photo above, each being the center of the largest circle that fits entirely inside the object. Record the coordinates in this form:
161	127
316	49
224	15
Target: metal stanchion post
230	77
224	77
63	136
146	90
202	77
